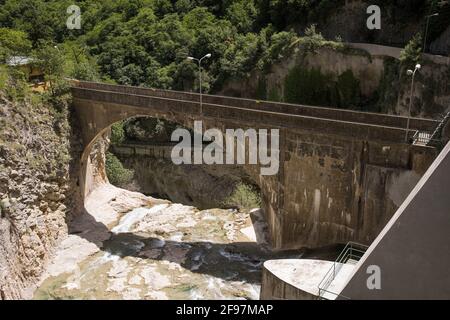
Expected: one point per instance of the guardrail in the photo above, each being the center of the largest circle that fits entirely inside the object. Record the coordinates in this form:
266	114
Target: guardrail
352	251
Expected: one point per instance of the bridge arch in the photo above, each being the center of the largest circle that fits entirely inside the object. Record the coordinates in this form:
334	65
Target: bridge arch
342	175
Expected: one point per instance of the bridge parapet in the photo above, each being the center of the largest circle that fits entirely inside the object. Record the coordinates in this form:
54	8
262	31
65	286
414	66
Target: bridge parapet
250	116
287	108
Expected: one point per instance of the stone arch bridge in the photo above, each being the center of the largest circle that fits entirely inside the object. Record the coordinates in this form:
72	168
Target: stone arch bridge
342	175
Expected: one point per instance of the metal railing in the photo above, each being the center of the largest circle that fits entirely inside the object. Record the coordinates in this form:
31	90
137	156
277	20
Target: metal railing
352	251
438	131
431	139
421	138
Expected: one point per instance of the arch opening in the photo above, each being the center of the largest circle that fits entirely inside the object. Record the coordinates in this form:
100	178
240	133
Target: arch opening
139	159
155	225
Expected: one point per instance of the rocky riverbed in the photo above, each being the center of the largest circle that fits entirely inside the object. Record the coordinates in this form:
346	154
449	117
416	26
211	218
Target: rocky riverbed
129	246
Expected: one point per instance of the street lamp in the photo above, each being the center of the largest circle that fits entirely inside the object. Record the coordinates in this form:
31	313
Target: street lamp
199	61
426	29
411	73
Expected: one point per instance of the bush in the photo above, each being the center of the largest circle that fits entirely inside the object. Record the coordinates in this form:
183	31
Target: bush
412	53
13	82
244	196
306	86
117	133
261	90
349	90
117	174
312	87
313	40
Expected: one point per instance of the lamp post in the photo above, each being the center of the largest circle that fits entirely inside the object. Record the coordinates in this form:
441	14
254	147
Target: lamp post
199	61
411	73
426	29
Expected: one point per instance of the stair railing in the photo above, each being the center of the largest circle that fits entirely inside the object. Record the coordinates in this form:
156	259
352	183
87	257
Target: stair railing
351	251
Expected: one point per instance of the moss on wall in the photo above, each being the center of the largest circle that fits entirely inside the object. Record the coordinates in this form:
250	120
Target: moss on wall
274	95
311	86
261	89
349	90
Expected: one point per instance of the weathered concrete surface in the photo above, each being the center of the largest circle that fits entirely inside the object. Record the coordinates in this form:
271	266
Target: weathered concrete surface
342	173
201	186
413	250
292	279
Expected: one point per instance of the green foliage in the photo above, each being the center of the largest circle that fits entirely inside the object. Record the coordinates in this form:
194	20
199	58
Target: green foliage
261	90
388	92
13	43
148	129
306	86
50	59
411	54
146	42
349	90
242	15
312	40
241	56
117	174
79	64
280	45
13	83
274	95
117	133
4	76
312	87
244	197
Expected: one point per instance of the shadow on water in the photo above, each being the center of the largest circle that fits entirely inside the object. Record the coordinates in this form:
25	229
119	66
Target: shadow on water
236	261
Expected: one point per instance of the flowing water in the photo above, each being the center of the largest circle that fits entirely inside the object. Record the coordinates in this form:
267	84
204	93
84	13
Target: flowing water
168	251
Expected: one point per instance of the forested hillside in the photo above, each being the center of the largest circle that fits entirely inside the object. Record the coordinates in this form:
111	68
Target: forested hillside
146	42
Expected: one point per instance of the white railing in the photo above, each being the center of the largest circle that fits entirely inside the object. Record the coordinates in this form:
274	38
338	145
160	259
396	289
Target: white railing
352	251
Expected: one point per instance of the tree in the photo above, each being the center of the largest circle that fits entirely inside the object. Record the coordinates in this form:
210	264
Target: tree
412	53
50	59
13	43
242	14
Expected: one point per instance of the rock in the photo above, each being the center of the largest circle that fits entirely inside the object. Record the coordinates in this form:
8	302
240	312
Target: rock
119	269
150	254
5	204
135	280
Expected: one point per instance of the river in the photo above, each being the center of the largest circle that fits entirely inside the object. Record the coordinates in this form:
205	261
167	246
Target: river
161	251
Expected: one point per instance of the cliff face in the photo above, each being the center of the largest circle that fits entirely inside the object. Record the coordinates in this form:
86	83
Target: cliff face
200	186
350	78
37	189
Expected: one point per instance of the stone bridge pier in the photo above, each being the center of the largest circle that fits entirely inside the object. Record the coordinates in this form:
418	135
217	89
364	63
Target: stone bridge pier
342	175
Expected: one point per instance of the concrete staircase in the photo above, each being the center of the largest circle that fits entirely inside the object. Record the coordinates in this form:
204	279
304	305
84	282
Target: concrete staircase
335	279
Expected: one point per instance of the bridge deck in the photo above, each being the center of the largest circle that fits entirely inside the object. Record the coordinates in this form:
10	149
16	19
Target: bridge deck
326	120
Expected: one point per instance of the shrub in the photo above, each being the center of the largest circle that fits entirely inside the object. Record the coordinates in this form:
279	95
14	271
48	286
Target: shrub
261	90
117	174
117	133
349	91
306	86
274	95
311	86
411	54
244	196
313	40
13	82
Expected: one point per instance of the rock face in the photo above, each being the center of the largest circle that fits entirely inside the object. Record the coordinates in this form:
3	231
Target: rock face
383	84
200	186
442	44
37	190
